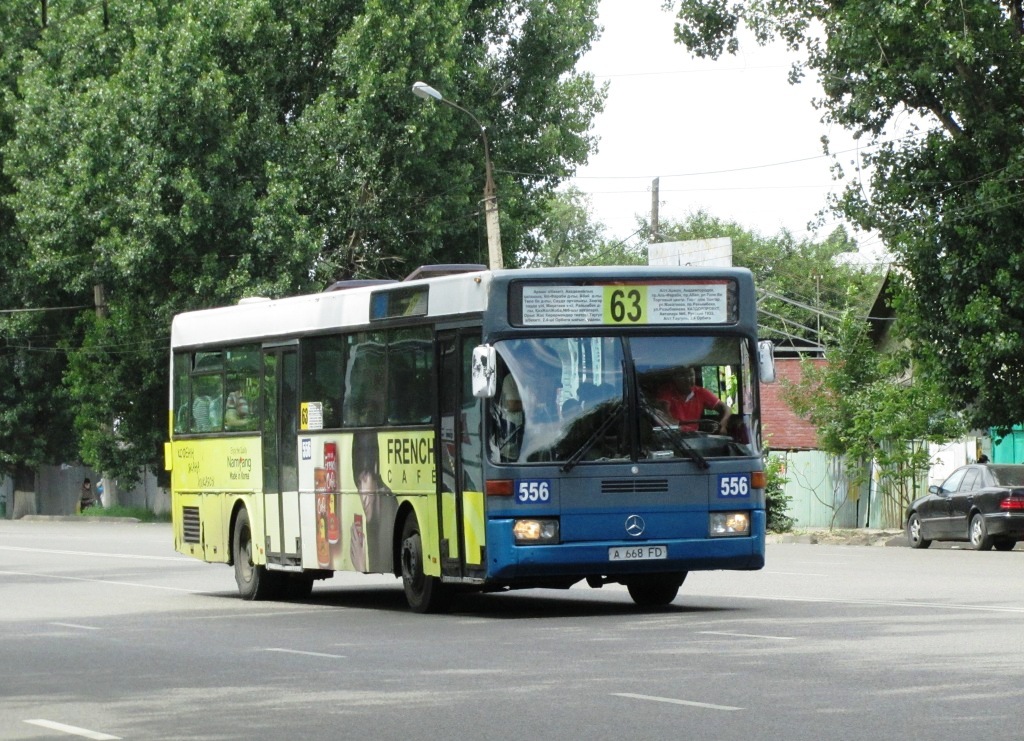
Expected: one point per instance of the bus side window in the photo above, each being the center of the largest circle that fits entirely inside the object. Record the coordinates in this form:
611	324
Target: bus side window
183	406
410	370
323	376
239	410
364	374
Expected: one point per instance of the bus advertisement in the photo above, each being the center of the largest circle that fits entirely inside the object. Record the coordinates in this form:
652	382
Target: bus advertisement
475	431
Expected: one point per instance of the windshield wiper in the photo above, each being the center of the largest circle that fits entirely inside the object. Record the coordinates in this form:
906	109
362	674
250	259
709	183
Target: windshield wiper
674	435
576	457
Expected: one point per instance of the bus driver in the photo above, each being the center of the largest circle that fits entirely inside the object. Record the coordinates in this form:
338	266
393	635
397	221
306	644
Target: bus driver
685	402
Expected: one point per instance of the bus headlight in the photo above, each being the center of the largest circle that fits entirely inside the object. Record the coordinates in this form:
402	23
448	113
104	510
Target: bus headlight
726	524
535	532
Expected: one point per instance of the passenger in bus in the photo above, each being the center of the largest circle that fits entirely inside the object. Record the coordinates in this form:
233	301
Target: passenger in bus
237	416
685	402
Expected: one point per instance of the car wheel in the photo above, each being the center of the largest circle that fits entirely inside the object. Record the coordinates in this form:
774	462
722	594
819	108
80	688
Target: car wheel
1004	544
980	539
914	532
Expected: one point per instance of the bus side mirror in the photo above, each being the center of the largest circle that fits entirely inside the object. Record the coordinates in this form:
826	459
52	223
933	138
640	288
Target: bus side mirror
766	361
484	380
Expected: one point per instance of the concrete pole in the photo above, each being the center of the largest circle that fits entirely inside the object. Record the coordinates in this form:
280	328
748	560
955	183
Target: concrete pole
654	210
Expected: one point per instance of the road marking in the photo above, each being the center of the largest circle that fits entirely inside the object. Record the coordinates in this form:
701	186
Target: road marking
304	653
73	730
745	635
131	556
76	625
673	701
100	581
880	603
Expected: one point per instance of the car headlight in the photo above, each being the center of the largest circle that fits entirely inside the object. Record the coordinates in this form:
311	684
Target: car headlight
728	524
535	531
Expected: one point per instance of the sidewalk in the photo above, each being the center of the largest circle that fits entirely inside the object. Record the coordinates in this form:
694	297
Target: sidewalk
860	536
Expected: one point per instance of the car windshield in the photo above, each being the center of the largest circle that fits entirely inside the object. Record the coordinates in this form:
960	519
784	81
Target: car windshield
573	400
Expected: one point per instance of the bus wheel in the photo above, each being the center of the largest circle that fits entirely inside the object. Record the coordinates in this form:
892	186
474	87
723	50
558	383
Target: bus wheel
423	593
254	581
655	590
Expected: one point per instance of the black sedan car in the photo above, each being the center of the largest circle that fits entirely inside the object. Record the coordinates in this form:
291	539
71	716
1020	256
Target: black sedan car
982	504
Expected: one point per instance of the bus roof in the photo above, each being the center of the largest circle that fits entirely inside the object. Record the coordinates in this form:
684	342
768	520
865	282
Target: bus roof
253	319
452	295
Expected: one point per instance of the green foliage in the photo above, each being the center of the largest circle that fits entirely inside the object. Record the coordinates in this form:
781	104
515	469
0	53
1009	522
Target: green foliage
569	235
137	513
776	500
868	406
181	155
945	189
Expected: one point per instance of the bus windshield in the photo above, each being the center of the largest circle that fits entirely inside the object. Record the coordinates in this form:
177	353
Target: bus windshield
573	400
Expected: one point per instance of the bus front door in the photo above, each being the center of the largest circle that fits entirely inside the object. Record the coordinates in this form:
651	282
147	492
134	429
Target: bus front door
458	458
280	456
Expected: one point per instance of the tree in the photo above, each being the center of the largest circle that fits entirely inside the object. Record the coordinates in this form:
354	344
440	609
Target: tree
175	155
569	235
869	407
35	411
945	193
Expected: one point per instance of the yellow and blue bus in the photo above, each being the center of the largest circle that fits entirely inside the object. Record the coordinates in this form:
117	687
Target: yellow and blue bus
465	429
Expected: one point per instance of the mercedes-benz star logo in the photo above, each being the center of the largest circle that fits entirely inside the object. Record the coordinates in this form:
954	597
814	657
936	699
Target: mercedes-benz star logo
635	525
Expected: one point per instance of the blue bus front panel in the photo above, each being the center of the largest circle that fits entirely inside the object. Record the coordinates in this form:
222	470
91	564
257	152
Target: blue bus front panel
617	510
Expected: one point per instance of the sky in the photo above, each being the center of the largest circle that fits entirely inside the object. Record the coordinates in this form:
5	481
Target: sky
731	137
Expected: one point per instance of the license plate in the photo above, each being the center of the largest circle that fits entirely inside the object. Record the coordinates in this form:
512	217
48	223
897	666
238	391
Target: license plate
638	553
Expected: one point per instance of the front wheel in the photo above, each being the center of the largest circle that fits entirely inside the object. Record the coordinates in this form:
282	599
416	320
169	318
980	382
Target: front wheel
914	532
980	539
253	580
1004	544
655	590
423	593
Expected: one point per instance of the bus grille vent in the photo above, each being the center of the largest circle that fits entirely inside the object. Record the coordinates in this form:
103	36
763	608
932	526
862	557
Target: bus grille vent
190	524
634	486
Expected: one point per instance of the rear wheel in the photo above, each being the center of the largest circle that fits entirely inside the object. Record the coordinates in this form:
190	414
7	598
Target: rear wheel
980	539
1004	544
655	590
254	581
914	532
423	593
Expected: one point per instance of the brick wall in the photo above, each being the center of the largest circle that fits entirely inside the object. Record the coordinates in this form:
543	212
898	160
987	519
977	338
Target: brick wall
784	430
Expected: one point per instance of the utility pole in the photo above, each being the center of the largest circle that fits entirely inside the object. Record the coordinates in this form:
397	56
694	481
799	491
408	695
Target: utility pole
99	298
654	210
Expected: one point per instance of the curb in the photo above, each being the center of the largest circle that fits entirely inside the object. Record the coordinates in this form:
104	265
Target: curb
76	518
885	538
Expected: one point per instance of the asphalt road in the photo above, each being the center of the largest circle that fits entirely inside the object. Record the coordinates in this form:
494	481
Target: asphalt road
106	633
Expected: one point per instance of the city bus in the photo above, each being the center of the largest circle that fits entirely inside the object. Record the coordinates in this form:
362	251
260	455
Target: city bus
473	430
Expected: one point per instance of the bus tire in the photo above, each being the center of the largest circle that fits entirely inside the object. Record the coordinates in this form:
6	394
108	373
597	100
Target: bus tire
253	580
423	593
655	590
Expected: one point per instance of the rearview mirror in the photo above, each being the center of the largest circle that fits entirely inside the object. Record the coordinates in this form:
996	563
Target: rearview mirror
766	361
484	380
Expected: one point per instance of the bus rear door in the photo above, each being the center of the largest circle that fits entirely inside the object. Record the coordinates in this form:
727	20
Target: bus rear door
280	456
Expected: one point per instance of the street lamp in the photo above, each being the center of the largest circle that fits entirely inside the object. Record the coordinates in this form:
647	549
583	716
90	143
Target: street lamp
423	90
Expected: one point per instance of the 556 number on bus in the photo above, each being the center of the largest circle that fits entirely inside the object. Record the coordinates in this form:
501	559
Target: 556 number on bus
734	485
530	491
